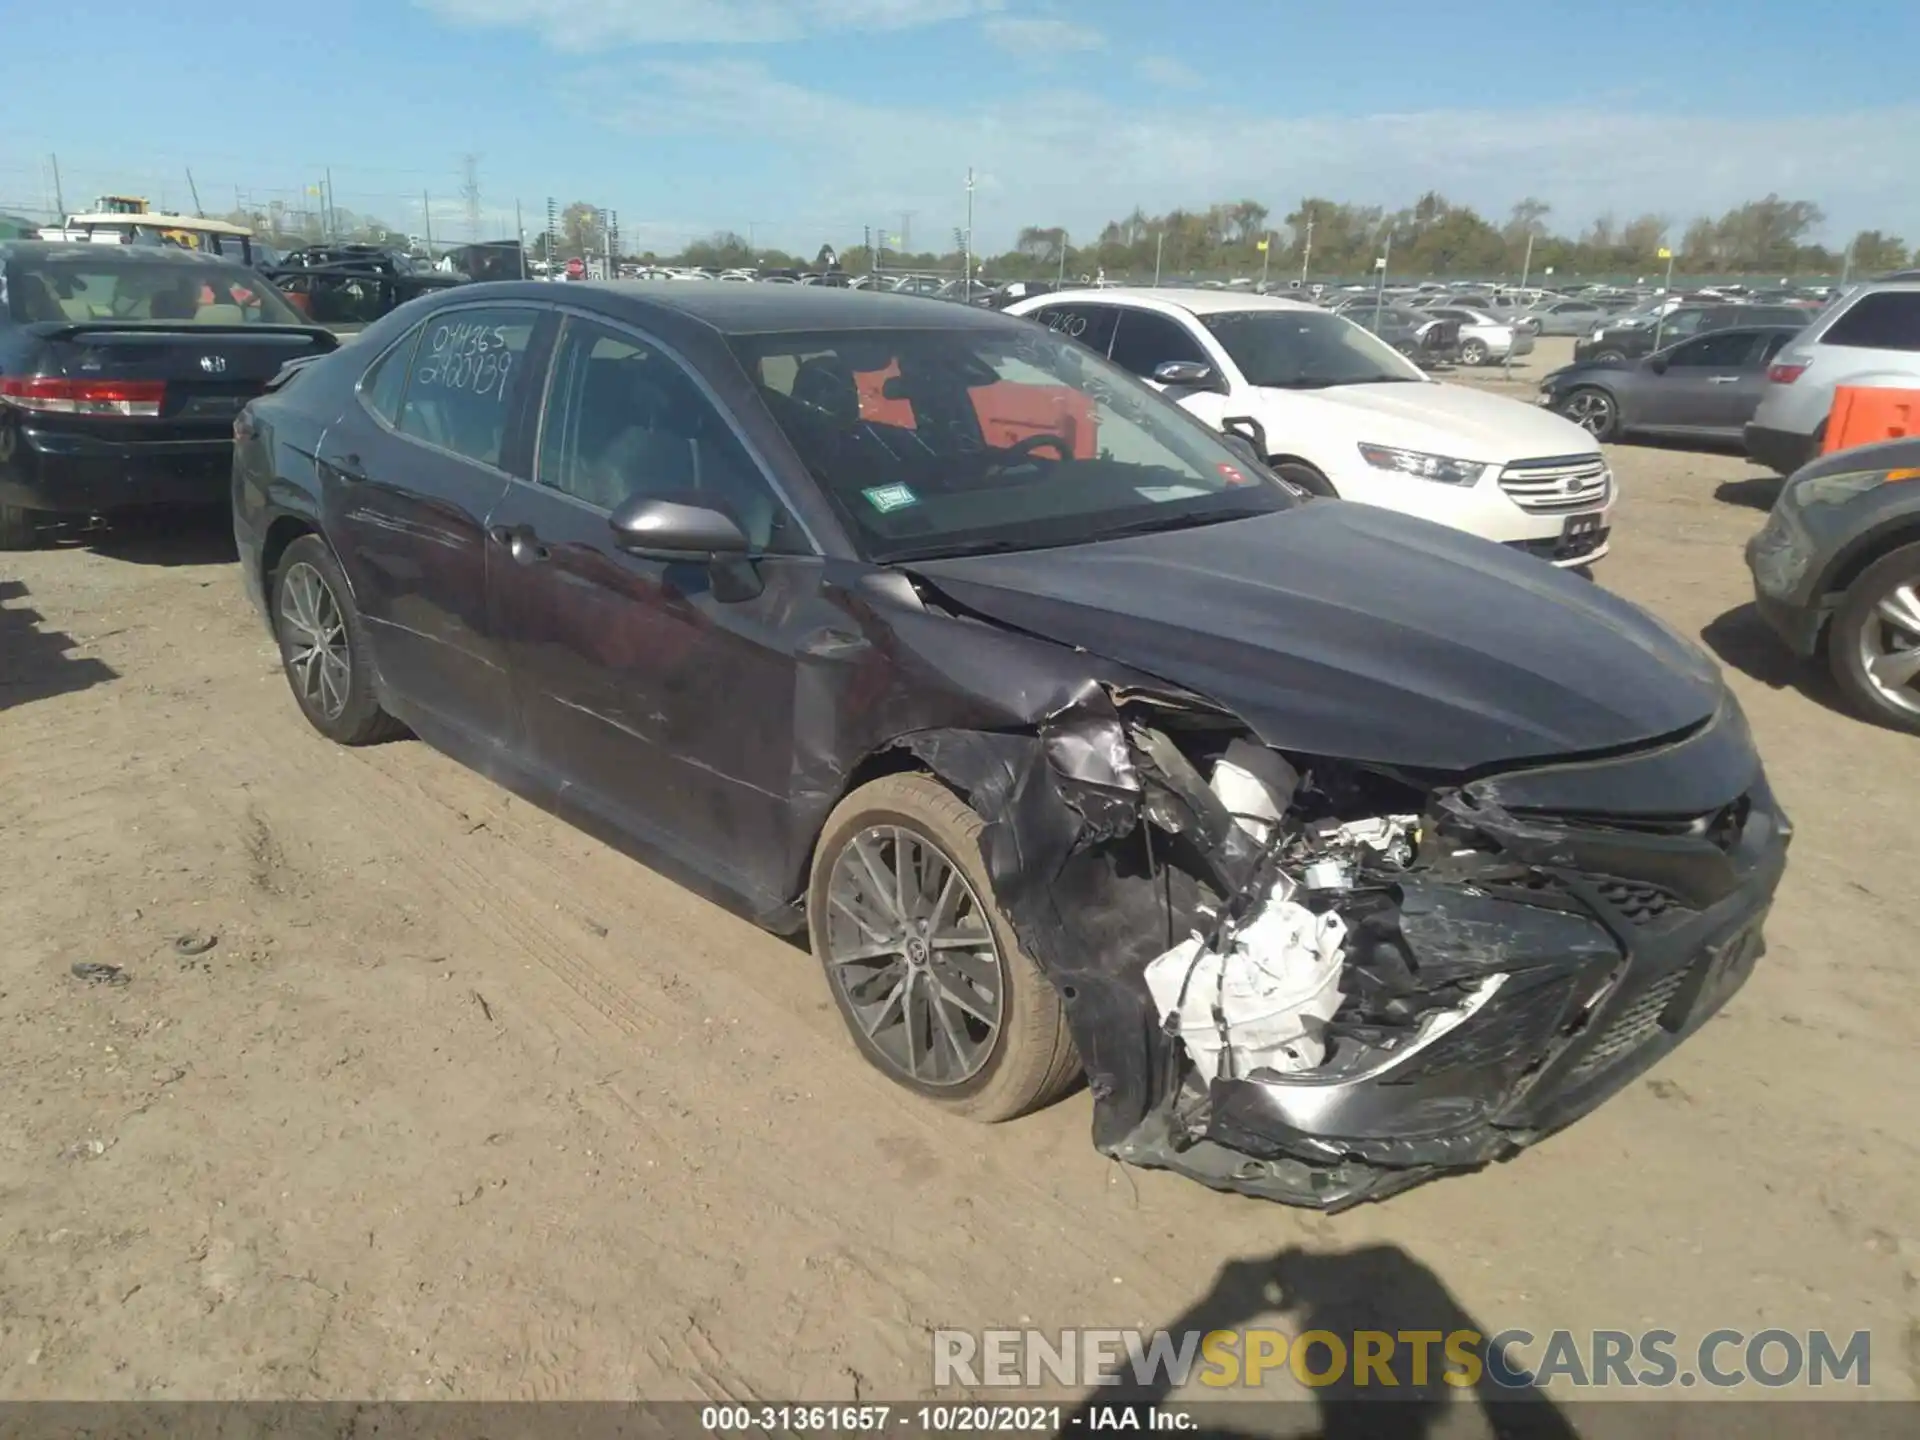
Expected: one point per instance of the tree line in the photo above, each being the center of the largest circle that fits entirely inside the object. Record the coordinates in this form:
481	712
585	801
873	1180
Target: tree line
1320	237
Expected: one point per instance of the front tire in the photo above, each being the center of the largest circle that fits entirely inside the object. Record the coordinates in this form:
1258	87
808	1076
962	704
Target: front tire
1305	476
1873	645
1593	410
1609	357
927	973
323	647
19	528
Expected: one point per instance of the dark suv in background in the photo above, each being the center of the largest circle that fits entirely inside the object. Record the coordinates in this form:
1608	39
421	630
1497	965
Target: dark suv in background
1631	342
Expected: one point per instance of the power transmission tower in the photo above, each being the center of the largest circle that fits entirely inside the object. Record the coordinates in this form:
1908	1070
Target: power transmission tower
470	192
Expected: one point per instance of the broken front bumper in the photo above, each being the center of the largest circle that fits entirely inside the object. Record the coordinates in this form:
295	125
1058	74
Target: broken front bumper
1633	928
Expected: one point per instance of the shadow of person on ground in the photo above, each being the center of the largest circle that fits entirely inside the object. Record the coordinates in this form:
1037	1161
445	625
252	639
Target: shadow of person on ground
1756	492
202	535
1378	1288
34	662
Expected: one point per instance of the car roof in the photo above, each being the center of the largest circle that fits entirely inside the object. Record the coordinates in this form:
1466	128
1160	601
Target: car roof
86	250
769	309
1195	302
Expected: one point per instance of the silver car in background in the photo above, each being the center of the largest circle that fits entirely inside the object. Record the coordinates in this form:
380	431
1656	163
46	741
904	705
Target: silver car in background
1868	336
1484	339
1563	317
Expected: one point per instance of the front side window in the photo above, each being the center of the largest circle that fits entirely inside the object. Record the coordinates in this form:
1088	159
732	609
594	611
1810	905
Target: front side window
1306	350
466	371
962	440
98	283
623	420
1145	341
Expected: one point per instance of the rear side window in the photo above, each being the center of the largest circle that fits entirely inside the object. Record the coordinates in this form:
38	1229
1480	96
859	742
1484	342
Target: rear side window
1091	325
87	283
1889	320
466	372
382	387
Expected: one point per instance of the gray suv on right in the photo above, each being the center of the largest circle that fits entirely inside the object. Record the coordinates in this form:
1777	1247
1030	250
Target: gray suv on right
1868	336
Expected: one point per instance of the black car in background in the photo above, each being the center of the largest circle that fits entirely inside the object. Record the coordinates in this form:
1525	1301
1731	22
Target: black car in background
122	369
1706	388
1836	574
349	286
1614	341
934	634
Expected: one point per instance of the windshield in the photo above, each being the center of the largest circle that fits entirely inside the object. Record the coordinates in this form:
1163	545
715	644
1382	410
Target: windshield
1306	350
100	284
954	441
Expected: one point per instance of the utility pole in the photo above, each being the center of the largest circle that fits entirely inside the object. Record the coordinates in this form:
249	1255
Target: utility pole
966	253
610	232
552	232
1846	265
1380	289
1526	265
1159	248
59	199
1266	257
426	220
520	238
194	190
1062	281
1306	253
333	216
470	192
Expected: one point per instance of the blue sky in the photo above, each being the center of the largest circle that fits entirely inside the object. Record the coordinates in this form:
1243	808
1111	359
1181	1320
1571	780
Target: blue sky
803	120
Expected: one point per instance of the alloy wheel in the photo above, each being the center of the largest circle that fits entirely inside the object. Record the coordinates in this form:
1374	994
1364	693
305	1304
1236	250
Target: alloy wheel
911	951
1591	410
313	635
1889	644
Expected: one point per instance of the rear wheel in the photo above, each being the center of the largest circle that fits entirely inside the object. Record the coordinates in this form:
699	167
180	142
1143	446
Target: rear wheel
1474	352
1593	410
926	971
19	528
323	647
1873	647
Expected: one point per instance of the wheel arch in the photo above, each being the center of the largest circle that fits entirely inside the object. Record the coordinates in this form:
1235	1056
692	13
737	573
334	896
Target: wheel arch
1855	559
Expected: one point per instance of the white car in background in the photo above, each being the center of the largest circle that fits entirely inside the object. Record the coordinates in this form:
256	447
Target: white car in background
1484	340
1341	413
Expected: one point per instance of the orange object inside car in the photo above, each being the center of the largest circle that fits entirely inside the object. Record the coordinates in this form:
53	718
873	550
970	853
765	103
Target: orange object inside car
1009	411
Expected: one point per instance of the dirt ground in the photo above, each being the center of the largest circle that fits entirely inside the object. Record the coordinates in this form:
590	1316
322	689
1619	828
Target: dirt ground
460	1103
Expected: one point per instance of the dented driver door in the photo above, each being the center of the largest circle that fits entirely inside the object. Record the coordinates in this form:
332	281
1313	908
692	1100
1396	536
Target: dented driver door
658	694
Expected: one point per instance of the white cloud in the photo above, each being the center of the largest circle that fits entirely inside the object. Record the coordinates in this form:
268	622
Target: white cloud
580	25
1163	70
1036	36
1058	156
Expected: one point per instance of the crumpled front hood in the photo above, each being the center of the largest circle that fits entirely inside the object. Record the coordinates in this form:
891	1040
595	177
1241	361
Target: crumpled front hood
1453	420
1351	631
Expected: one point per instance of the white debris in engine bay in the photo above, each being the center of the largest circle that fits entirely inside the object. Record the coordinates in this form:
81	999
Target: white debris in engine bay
1271	993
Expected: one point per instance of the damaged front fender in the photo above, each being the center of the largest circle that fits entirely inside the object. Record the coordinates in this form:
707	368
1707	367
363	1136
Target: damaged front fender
1494	982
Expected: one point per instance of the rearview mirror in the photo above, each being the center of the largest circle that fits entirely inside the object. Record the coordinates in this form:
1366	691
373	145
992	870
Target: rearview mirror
1188	375
674	530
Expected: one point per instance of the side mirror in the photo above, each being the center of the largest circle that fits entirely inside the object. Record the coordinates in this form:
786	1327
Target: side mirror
674	530
1657	364
1188	375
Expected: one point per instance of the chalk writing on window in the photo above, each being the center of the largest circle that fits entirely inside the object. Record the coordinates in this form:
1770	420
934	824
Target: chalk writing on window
467	355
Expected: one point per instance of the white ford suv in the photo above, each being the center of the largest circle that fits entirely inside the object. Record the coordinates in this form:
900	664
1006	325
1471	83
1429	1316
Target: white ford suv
1340	412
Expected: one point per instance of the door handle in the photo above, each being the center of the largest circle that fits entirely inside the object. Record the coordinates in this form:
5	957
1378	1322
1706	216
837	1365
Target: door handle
521	543
347	468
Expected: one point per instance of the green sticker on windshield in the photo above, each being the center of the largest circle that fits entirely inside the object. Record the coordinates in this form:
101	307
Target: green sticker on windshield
885	498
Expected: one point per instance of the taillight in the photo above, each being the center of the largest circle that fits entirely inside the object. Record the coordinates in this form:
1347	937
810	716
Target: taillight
1784	374
83	397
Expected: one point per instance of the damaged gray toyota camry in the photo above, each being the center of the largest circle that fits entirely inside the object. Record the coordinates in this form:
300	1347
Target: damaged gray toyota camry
1336	849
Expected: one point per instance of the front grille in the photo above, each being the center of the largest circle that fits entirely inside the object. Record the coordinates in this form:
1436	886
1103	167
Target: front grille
1631	1027
1566	482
